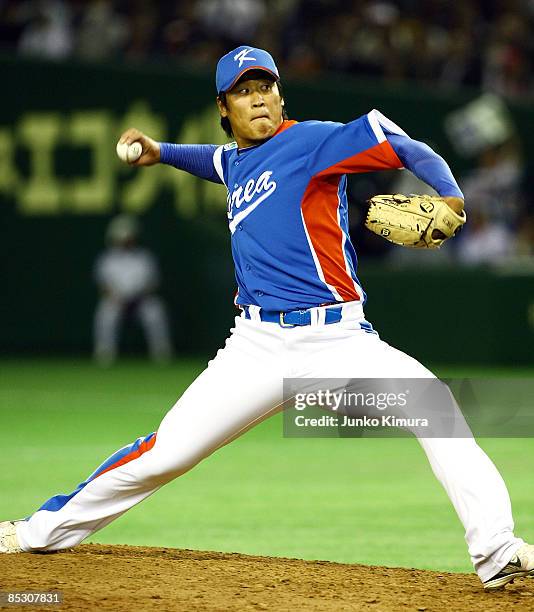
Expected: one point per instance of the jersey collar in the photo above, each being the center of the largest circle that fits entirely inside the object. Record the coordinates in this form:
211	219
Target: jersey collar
287	123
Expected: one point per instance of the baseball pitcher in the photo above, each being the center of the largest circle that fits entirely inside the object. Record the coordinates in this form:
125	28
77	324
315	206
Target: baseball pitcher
301	308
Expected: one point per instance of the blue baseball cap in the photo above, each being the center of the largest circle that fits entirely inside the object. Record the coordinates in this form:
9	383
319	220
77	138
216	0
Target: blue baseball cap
234	64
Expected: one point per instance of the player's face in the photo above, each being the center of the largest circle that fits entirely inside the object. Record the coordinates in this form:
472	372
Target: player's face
254	109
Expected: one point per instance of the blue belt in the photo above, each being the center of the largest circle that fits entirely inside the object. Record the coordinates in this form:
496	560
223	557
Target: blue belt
295	317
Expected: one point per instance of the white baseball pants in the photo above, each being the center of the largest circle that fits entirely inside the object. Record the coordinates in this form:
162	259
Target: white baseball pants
215	410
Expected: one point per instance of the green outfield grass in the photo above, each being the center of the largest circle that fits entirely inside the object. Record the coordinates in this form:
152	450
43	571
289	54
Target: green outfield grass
372	501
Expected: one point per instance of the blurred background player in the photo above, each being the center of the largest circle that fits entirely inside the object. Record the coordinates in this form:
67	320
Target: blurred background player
127	276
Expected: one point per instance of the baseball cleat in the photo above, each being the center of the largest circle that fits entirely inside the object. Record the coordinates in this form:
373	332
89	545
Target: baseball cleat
519	566
8	537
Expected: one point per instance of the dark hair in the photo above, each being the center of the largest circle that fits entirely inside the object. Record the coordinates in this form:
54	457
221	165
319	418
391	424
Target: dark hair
225	122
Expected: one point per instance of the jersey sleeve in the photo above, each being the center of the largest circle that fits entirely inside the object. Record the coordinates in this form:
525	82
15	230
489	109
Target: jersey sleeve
217	160
195	159
358	146
426	164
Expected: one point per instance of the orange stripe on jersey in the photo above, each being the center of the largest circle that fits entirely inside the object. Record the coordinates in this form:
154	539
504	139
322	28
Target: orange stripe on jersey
380	157
319	209
143	448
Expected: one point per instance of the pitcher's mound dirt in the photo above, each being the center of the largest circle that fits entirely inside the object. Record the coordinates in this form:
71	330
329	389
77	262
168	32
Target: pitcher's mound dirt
96	577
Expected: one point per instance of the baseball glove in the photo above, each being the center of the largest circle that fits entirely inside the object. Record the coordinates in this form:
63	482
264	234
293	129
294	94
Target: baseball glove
412	220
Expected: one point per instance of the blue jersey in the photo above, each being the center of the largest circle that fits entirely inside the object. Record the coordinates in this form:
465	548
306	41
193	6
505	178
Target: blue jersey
287	210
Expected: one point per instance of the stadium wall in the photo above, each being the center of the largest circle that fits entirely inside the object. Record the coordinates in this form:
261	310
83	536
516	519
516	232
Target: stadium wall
60	183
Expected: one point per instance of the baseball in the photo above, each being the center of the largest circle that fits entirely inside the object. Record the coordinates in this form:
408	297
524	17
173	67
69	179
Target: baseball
129	153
